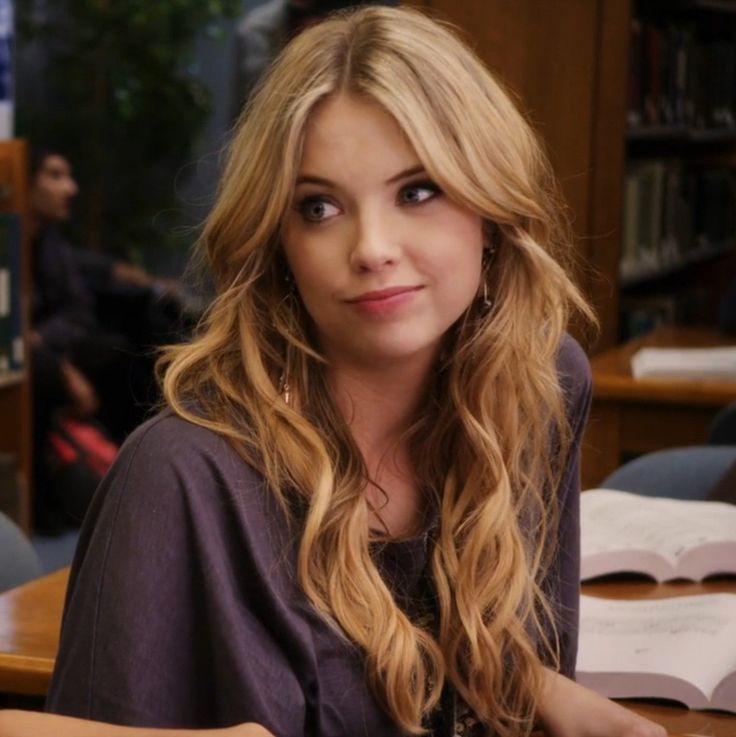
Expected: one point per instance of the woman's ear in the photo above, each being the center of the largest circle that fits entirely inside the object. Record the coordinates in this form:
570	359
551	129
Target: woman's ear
492	239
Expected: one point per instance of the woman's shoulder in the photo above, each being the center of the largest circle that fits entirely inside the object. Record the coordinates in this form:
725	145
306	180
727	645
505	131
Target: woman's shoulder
169	438
171	458
168	427
177	485
573	369
572	362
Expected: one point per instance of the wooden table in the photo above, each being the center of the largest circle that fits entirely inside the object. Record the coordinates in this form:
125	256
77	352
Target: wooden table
634	416
30	617
29	638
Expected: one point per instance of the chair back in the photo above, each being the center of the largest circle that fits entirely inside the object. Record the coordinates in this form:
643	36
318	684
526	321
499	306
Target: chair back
18	560
692	472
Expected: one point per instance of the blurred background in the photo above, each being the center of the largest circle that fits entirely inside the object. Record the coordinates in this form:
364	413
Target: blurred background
635	101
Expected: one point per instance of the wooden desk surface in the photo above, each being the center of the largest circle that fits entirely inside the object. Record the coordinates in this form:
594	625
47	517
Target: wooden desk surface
676	719
31	614
630	416
612	378
30	618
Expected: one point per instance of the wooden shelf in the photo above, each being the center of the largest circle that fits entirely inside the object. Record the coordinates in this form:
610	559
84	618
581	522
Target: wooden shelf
15	389
661	271
680	134
687	7
12	378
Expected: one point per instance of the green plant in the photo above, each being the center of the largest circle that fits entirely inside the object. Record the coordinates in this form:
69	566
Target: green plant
120	101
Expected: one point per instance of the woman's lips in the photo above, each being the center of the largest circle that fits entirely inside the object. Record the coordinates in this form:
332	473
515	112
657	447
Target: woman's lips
382	301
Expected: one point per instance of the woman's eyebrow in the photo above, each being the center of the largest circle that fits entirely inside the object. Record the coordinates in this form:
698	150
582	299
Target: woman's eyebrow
325	182
404	173
313	179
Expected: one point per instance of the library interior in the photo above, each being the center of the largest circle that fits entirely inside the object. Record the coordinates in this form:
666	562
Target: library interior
122	138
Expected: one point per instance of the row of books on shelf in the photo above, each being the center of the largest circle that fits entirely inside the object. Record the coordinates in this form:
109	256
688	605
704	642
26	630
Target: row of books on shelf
11	321
675	213
682	74
682	647
640	314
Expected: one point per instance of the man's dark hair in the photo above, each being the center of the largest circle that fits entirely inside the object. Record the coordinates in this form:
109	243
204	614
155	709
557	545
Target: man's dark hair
38	157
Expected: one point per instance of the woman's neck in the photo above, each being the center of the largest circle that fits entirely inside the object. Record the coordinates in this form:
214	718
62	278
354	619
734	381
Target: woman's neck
379	407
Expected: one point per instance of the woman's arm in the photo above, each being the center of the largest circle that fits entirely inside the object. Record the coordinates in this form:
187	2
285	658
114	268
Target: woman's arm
567	709
23	723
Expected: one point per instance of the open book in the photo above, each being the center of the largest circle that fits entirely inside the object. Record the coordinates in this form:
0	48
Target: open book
681	648
661	538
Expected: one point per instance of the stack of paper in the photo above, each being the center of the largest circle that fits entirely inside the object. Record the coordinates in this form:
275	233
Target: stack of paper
685	363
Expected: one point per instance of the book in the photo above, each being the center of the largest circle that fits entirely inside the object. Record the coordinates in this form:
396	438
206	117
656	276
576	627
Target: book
657	537
707	364
681	648
630	241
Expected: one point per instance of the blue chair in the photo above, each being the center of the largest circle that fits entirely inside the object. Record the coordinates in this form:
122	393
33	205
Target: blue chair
18	560
678	473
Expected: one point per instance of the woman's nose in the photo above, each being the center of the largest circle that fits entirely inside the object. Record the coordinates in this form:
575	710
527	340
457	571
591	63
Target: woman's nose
375	244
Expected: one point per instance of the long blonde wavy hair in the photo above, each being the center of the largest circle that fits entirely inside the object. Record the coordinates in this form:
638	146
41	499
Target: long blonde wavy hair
483	444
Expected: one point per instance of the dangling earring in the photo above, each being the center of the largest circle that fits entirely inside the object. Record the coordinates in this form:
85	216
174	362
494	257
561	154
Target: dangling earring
486	302
492	241
284	388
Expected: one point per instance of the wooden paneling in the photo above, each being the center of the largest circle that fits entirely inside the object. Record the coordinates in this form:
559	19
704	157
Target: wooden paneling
566	61
528	44
601	250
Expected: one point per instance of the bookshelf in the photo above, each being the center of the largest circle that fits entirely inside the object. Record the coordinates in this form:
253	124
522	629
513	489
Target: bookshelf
15	388
679	214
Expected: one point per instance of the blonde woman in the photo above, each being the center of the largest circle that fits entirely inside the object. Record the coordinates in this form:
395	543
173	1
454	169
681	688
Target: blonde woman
358	515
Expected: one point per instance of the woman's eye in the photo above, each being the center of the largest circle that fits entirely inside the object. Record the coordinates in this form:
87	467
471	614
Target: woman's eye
317	209
414	194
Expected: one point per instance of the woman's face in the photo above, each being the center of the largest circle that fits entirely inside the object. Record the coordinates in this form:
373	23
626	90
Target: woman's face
384	262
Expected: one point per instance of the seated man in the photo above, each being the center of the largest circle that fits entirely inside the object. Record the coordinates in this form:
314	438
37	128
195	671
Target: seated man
82	366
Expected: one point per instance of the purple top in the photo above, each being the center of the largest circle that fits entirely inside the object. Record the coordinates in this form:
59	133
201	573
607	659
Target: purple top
183	610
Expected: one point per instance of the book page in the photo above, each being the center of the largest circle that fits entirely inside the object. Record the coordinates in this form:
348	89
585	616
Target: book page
692	638
614	521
